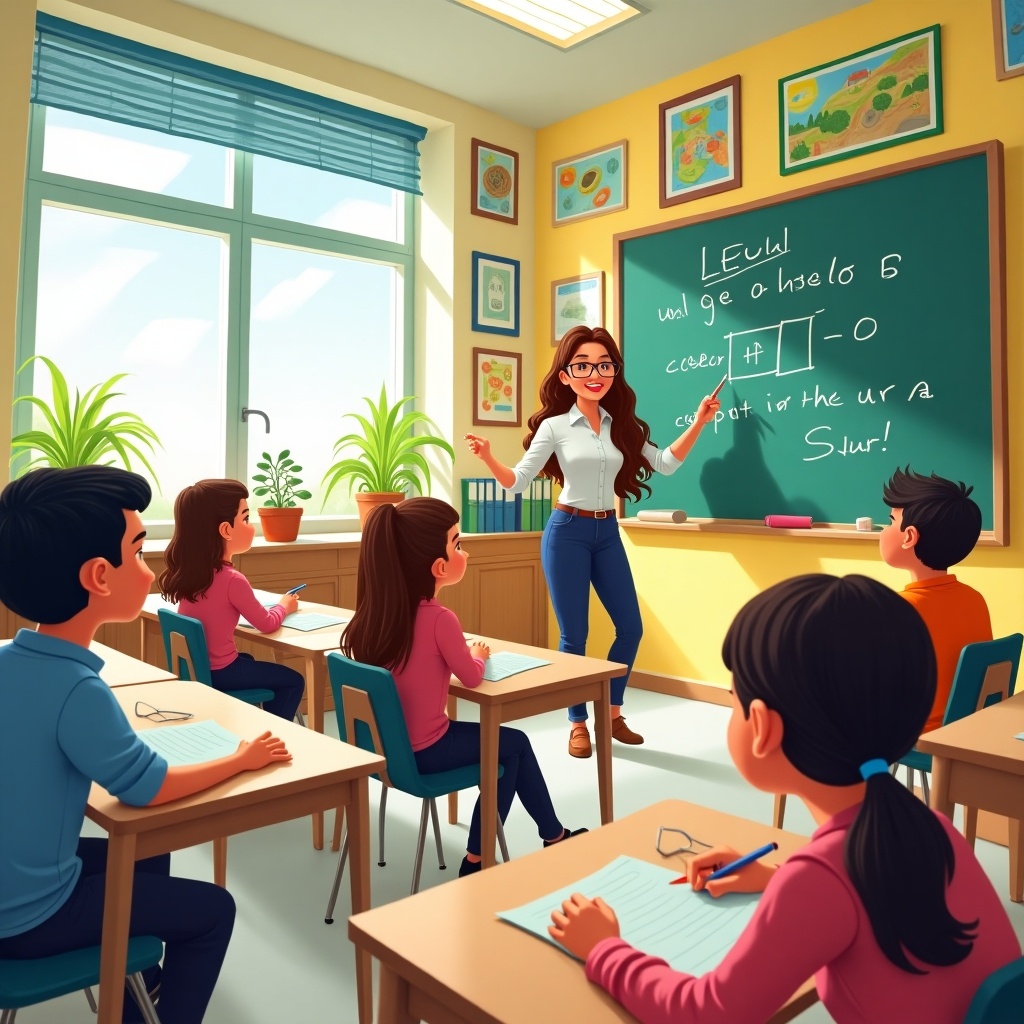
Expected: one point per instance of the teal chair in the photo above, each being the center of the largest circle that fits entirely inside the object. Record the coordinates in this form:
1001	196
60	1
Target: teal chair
28	982
985	673
1000	997
370	716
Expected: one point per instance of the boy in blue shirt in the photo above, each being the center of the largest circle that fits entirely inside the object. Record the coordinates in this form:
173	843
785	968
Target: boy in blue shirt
71	560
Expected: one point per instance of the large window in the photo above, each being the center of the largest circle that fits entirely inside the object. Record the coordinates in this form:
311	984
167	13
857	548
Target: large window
219	282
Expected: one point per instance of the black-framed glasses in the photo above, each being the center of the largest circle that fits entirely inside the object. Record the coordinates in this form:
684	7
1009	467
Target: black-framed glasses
607	369
144	710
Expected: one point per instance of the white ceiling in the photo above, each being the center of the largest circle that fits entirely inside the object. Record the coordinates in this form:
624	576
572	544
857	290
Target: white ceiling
458	51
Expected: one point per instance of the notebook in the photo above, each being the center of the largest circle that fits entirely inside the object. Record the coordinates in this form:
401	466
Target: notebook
505	663
191	742
305	621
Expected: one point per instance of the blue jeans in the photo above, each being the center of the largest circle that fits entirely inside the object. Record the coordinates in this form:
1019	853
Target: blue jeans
576	552
193	919
246	673
460	746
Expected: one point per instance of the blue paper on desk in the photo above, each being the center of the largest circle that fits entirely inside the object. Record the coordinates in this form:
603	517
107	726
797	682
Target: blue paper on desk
305	621
505	664
191	743
690	930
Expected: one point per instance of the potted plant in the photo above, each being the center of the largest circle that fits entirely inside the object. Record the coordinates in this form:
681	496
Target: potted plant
81	432
280	514
384	461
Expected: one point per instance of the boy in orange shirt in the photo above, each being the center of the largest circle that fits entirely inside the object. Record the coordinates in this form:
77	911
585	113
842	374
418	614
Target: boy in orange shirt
934	524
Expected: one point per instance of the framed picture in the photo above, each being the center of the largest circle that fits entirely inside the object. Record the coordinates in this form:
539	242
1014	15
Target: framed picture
495	294
589	184
497	387
884	96
576	301
699	143
495	177
1008	23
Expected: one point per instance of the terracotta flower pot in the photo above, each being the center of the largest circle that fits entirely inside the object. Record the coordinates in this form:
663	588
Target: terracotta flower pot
366	501
280	524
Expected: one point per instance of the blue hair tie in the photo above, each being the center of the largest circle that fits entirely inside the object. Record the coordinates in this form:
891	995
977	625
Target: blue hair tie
876	766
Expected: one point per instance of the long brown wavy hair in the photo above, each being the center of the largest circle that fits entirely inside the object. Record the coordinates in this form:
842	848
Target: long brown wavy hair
629	432
196	550
400	545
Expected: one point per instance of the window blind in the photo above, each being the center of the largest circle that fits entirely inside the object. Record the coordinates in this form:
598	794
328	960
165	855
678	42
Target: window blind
89	72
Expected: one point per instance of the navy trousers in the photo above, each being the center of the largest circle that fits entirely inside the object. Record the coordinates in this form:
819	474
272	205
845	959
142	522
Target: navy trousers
193	920
246	673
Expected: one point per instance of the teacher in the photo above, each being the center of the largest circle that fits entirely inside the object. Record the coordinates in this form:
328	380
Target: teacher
587	436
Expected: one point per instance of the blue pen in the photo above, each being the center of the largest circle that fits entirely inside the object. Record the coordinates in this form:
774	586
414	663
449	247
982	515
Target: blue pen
295	590
742	862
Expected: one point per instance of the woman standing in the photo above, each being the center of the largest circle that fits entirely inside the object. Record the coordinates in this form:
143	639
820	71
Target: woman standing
588	437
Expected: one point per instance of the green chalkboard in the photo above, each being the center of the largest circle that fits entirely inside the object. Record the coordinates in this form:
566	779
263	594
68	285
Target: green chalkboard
861	326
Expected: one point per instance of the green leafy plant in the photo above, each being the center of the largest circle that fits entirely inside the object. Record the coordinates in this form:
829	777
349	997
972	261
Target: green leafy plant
82	433
388	459
278	480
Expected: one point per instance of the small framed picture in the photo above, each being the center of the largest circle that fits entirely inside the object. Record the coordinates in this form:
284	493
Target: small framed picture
495	178
497	387
589	184
495	294
699	143
576	301
1008	23
883	96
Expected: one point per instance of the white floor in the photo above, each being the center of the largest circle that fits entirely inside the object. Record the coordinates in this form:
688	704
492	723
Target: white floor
285	964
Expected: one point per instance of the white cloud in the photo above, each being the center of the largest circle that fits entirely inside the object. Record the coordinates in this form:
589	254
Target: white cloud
167	342
285	298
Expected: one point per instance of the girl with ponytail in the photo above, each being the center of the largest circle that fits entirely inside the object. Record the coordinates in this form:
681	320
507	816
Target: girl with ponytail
408	553
887	906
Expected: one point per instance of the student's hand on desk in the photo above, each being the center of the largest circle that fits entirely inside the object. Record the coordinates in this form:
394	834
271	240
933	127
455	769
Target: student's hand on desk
753	878
264	750
582	924
707	409
479	650
479	446
289	602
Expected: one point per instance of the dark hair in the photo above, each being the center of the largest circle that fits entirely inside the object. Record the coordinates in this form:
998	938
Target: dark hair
196	550
948	522
849	666
400	545
53	521
629	432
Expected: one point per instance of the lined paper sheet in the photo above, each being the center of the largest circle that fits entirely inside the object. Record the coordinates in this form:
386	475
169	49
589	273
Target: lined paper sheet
505	664
191	742
690	930
305	621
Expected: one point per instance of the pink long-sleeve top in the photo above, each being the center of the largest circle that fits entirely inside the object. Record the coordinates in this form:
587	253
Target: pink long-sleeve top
810	921
439	651
219	607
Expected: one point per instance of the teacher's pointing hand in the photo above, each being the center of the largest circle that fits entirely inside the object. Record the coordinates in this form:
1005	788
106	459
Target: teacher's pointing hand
707	409
479	446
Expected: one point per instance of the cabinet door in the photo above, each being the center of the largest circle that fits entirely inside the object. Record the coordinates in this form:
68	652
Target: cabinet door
508	608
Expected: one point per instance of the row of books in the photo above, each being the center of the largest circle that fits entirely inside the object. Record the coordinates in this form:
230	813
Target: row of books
489	508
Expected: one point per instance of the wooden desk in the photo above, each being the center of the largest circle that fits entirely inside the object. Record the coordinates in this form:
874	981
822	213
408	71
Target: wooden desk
121	669
445	958
322	774
978	762
569	679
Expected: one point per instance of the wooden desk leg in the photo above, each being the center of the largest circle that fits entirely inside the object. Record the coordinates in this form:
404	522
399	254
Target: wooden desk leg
489	725
603	737
1016	859
778	810
339	821
940	786
117	907
220	861
970	825
315	671
453	798
359	875
394	998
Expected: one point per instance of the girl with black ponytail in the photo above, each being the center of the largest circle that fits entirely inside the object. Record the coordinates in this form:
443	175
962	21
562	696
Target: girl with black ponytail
887	906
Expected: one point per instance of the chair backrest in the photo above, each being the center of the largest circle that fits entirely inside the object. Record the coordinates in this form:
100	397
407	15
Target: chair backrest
985	673
185	646
1000	997
370	716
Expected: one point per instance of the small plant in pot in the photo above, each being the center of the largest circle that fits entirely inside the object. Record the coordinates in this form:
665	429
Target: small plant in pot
383	461
280	513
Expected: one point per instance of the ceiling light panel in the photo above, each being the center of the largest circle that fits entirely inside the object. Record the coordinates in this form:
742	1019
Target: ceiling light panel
563	23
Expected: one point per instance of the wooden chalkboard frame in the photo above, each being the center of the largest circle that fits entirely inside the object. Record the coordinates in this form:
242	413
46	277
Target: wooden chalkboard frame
993	153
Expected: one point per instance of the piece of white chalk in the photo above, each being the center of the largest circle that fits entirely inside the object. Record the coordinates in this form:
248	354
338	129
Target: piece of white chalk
864	523
661	515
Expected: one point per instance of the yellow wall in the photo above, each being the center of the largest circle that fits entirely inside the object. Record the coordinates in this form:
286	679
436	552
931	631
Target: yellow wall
691	585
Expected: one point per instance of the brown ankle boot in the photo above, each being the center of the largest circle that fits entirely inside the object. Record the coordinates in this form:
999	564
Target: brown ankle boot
579	740
623	733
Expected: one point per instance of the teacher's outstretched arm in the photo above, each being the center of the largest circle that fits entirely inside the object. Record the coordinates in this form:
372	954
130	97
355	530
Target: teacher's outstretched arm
681	446
481	448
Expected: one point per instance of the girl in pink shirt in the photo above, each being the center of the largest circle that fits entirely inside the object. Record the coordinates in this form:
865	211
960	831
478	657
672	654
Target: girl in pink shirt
211	526
409	551
887	906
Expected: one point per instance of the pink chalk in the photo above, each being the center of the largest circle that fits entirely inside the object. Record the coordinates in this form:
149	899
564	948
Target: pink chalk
788	522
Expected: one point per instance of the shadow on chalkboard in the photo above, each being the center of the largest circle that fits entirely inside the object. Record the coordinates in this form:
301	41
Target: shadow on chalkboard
739	485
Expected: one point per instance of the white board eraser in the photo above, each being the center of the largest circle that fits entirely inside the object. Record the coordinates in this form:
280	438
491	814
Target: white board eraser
661	515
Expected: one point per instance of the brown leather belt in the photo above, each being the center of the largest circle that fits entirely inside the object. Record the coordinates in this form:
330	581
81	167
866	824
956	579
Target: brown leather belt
586	513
